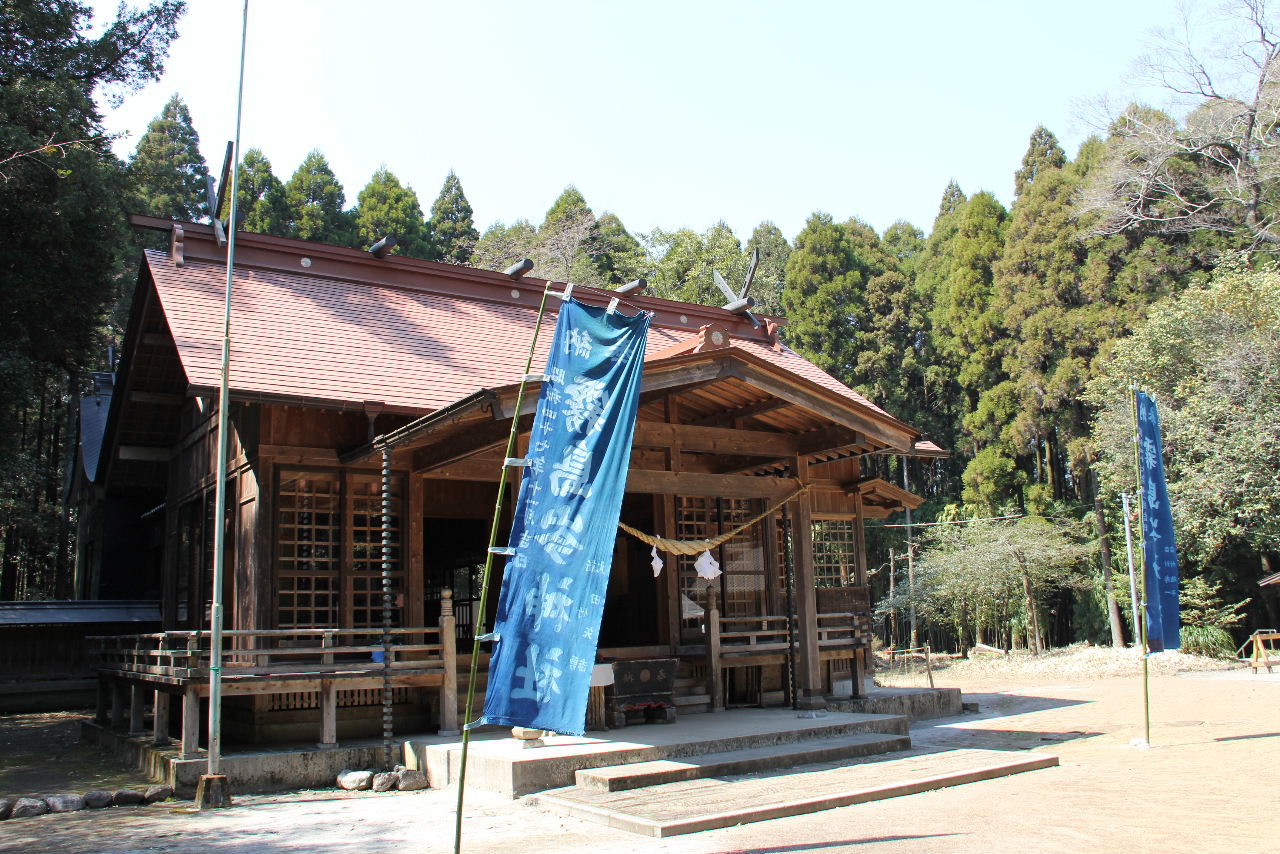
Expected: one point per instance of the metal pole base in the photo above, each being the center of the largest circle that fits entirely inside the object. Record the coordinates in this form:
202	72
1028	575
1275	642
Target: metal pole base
212	792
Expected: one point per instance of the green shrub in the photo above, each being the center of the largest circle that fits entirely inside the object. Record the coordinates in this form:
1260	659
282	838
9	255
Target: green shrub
1212	641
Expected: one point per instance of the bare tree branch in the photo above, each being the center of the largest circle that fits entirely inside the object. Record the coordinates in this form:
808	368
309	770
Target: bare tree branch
50	147
1214	169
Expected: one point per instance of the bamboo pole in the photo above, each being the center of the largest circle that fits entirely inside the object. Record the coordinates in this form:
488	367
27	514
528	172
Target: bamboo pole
479	614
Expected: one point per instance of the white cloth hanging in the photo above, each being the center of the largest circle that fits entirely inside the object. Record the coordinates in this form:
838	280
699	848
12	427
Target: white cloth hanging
706	566
656	563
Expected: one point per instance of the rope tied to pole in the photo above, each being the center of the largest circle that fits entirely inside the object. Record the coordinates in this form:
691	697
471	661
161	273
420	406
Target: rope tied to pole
693	547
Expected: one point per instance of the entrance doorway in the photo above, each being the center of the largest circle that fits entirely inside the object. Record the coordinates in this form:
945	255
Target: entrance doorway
631	603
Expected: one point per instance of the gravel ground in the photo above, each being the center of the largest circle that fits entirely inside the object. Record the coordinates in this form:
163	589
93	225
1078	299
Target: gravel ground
1215	736
1079	661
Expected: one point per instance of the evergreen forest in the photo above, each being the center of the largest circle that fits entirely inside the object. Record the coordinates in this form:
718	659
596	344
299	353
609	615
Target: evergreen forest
1010	335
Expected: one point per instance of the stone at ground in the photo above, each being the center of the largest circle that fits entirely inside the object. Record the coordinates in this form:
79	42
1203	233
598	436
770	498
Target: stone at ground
353	780
97	799
384	781
127	797
27	807
64	803
6	808
157	793
412	781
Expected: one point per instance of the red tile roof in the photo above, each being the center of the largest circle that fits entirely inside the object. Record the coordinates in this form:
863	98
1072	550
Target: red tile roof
341	340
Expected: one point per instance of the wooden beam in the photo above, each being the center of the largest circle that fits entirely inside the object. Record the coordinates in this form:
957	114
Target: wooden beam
472	441
298	456
896	437
472	469
157	397
728	417
714	440
142	454
828	439
698	483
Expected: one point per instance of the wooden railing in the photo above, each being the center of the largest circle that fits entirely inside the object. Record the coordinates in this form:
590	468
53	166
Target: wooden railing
184	655
270	661
754	641
769	634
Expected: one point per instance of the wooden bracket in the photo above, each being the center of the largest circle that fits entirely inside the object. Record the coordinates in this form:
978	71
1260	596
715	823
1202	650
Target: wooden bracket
176	235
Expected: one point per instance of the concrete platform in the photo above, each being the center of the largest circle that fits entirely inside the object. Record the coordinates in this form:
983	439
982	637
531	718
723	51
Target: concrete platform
918	704
260	769
707	804
499	763
617	778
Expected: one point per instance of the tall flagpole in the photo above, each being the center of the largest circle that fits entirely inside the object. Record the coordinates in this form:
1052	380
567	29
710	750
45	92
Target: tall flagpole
212	787
1146	652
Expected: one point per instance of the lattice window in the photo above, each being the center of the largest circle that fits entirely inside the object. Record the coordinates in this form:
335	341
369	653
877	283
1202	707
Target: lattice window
835	562
742	586
365	579
308	559
744	566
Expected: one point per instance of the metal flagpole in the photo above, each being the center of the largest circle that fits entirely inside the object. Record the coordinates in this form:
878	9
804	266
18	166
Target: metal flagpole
212	789
1146	653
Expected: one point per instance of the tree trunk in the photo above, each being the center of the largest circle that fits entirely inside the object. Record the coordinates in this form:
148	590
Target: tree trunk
1108	587
1033	621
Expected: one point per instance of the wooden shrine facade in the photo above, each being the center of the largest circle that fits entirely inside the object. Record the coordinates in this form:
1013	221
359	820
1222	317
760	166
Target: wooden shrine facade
336	354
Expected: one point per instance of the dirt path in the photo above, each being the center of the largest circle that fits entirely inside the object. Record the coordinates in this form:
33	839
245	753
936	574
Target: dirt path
1216	737
43	754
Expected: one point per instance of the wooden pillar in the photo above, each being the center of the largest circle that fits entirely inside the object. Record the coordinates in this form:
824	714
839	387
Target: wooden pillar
160	719
190	723
102	714
411	551
137	709
328	697
667	528
859	540
670	580
808	660
449	652
117	704
862	656
712	624
328	713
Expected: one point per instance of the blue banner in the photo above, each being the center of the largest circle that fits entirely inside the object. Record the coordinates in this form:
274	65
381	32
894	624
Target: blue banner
566	520
1160	555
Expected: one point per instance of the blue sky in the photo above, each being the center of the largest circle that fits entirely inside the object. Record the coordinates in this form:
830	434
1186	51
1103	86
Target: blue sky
670	114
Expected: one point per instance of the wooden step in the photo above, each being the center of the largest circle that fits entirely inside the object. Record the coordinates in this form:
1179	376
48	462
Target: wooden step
698	805
617	778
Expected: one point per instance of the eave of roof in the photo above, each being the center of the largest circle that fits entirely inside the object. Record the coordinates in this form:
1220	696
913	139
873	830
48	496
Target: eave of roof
333	327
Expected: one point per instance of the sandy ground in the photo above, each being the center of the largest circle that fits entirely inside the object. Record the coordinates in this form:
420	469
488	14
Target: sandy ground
1207	785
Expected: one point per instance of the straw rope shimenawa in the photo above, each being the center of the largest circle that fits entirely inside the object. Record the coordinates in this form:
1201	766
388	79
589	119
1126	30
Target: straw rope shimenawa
693	547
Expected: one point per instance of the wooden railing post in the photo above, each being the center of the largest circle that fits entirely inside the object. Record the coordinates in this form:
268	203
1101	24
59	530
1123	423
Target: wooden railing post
137	709
716	701
327	641
117	704
160	719
328	713
190	723
102	714
449	652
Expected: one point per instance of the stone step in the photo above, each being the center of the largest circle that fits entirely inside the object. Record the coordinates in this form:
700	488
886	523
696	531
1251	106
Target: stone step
497	763
692	806
692	699
616	778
